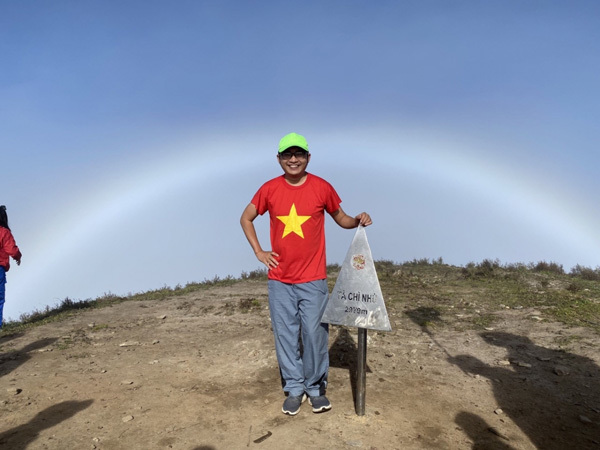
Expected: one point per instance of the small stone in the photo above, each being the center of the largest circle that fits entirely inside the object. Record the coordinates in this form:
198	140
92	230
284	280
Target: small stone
537	318
127	418
103	371
163	317
129	344
155	341
524	364
503	362
14	391
389	355
91	325
545	359
489	329
561	371
126	382
498	411
585	419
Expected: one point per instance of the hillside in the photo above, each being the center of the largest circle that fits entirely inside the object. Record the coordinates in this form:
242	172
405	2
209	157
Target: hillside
486	357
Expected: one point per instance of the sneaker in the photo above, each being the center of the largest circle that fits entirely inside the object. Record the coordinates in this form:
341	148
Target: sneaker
292	404
319	403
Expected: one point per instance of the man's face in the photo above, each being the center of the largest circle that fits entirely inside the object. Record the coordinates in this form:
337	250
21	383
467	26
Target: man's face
293	161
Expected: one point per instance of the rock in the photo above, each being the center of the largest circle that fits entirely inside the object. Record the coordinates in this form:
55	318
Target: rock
561	371
545	359
127	418
498	411
129	344
524	364
503	362
538	318
126	382
389	355
14	391
585	419
155	341
163	317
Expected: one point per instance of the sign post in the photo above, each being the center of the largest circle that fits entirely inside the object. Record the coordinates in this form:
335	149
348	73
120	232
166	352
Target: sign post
361	372
357	301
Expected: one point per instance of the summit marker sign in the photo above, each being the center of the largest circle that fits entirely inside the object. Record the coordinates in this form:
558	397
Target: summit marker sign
356	300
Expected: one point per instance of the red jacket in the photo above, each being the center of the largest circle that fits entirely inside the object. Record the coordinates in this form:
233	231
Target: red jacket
8	247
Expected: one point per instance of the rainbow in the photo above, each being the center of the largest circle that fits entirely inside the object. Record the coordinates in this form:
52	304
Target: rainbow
231	163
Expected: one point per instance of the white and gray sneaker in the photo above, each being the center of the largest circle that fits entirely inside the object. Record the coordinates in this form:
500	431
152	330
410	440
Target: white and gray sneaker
319	403
292	404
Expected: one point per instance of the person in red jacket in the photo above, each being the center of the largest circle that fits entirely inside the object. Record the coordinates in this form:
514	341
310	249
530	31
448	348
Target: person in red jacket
8	249
297	272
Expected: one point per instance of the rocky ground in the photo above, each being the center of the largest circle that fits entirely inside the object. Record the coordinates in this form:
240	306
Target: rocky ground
199	372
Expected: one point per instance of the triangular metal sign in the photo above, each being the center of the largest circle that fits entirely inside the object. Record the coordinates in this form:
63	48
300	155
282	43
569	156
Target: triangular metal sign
356	300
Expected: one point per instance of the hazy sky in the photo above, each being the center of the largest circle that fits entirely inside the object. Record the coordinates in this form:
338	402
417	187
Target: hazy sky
134	133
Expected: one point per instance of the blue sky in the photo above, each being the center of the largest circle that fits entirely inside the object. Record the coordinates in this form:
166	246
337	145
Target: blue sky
134	133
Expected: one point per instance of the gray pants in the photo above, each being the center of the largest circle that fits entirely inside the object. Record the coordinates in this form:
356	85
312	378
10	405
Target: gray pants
296	311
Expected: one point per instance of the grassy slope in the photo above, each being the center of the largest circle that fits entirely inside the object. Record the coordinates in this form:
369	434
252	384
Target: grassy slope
432	292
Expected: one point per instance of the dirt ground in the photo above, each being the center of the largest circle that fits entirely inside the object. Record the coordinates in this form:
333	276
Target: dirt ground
199	372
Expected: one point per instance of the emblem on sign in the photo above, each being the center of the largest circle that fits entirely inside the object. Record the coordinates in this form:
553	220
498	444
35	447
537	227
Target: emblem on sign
358	262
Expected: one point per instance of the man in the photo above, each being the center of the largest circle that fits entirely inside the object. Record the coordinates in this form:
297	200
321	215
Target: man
297	272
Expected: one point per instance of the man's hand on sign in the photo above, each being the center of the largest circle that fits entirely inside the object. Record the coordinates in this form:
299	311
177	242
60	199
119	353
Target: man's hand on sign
268	258
364	219
348	222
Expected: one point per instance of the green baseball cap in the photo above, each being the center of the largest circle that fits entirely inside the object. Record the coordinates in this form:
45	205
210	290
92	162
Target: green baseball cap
292	140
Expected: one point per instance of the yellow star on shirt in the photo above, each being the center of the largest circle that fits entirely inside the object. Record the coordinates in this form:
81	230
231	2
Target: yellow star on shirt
293	222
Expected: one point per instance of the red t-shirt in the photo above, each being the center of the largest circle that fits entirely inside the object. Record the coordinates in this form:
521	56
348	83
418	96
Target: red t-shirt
297	226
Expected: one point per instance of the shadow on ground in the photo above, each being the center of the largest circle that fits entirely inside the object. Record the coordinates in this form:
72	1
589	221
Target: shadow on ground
343	354
552	395
9	361
19	438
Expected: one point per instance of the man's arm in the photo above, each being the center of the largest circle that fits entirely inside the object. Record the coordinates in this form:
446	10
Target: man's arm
345	221
247	222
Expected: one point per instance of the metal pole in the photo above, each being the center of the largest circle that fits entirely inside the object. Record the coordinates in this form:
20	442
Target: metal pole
361	372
